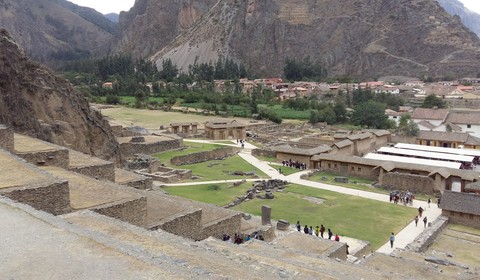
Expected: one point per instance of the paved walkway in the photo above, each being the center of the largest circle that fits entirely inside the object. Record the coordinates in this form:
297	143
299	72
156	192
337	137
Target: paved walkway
402	238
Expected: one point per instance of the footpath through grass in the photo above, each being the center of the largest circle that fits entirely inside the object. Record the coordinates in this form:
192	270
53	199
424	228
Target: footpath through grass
352	216
217	194
358	184
212	170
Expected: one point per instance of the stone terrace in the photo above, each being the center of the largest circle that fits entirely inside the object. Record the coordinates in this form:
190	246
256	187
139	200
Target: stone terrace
40	152
91	166
23	182
150	144
132	179
104	197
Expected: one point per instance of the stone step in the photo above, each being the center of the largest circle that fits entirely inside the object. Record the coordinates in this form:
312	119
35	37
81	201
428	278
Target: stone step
92	167
173	253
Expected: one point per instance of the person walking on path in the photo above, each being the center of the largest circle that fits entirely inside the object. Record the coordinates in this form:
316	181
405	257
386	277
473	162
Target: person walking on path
317	230
416	220
310	230
330	234
425	222
392	239
305	229
429	201
299	227
420	211
322	230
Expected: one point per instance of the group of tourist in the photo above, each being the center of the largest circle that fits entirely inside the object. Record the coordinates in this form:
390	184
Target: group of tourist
318	231
403	197
241	142
294	164
241	238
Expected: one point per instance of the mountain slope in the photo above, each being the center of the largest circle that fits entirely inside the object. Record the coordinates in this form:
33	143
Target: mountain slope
50	32
357	38
36	102
469	18
92	16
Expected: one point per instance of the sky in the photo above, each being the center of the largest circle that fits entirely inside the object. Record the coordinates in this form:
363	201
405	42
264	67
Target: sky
115	6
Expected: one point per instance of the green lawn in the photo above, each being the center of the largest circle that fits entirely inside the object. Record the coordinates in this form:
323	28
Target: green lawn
288	113
361	184
285	170
214	169
218	194
352	216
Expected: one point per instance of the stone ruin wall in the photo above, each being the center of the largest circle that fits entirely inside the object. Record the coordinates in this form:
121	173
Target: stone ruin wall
216	154
132	211
104	171
54	198
264	153
361	251
339	250
184	224
218	228
6	138
143	184
408	182
129	149
462	218
428	236
58	158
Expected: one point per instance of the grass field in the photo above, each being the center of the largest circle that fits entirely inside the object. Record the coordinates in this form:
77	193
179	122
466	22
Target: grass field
352	216
211	170
285	170
361	184
288	113
218	194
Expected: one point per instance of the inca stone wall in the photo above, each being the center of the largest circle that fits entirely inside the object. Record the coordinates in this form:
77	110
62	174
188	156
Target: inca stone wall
428	236
462	218
143	184
132	211
6	138
104	171
184	224
59	158
263	153
218	228
410	182
338	251
216	154
129	148
54	198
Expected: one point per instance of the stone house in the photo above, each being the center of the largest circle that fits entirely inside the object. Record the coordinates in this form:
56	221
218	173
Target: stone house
448	139
468	121
224	129
304	155
184	129
344	147
362	142
433	116
461	208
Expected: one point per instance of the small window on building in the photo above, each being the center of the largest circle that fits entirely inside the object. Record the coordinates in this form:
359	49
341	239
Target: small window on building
469	126
329	165
335	165
353	168
359	169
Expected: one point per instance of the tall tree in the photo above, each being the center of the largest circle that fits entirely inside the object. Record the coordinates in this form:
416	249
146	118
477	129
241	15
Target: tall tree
370	114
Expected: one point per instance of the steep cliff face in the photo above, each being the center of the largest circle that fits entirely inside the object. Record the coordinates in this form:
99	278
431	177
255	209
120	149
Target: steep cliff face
49	31
151	25
469	18
36	102
357	38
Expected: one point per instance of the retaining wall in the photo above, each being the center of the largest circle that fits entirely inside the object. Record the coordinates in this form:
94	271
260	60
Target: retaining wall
131	211
462	218
410	182
54	198
229	225
183	224
428	236
129	148
59	158
216	154
104	171
339	250
264	153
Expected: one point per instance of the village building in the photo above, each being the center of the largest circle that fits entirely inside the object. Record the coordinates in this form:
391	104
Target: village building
468	121
301	155
448	139
184	129
461	208
434	116
225	129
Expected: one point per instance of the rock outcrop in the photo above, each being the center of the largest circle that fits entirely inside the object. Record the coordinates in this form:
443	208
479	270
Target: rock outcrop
36	102
356	38
57	30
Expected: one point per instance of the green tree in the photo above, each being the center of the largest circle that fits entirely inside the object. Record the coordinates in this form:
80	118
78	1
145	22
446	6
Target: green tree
411	129
432	101
404	120
169	70
266	113
370	114
340	111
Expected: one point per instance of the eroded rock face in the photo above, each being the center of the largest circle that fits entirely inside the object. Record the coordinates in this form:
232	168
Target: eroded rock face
355	38
36	102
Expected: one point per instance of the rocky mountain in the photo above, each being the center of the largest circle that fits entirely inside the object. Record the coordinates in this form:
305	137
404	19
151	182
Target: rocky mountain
469	18
151	25
50	31
113	17
36	102
357	38
91	15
